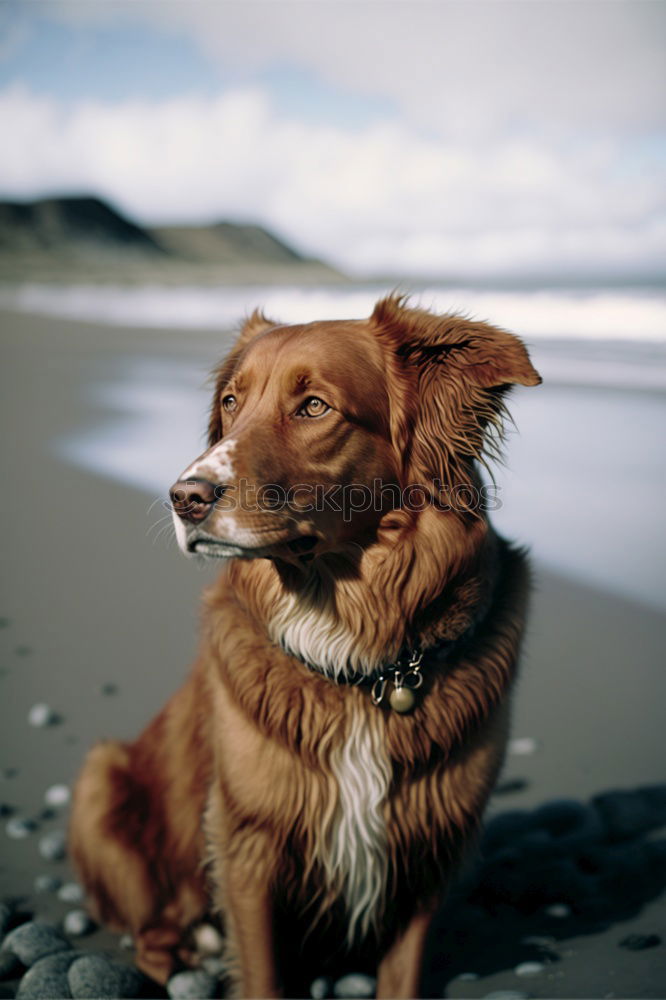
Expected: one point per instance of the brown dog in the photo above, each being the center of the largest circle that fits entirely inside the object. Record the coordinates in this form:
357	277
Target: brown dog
327	762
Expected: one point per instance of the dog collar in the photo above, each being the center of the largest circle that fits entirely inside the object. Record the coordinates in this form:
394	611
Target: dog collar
396	683
405	679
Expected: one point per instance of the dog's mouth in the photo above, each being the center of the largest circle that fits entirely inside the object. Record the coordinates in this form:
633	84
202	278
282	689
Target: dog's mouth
302	547
214	549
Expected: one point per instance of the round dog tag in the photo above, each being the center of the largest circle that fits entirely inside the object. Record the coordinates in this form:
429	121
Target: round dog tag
402	700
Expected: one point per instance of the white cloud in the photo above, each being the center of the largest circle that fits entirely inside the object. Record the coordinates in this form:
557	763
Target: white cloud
384	198
460	68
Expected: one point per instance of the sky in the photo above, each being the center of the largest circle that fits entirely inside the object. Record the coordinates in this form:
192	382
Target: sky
486	140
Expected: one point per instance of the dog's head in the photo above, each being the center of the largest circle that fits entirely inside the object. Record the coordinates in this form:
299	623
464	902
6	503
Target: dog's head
320	433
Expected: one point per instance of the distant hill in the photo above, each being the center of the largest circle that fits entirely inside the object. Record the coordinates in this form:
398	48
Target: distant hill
85	238
55	223
225	243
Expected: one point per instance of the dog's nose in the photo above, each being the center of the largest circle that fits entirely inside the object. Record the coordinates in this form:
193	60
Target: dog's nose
193	499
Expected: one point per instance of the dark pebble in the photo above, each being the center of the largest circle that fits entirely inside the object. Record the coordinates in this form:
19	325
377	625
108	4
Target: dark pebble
97	976
595	909
504	879
639	942
53	845
34	940
109	689
9	965
503	830
655	858
192	985
628	814
5	622
18	828
571	823
47	883
5	917
9	772
215	966
321	988
47	979
656	797
469	917
506	995
23	650
527	880
356	985
625	875
6	810
544	942
536	844
559	879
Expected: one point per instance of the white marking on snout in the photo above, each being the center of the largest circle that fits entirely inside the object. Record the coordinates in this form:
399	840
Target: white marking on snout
220	535
216	465
181	533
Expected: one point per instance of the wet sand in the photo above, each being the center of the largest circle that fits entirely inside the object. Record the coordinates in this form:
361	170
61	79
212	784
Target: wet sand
89	600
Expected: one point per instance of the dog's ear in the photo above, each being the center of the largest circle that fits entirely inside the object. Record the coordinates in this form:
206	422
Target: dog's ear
448	377
253	326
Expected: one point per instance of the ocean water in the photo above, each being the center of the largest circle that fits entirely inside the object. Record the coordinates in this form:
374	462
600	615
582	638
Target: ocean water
597	314
584	482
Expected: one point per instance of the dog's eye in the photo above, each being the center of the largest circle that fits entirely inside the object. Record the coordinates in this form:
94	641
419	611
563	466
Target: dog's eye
229	403
313	407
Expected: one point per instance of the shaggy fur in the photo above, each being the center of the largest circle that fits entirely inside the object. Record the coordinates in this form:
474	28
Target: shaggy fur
268	791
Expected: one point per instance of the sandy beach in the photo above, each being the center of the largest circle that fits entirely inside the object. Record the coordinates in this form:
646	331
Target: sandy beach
99	622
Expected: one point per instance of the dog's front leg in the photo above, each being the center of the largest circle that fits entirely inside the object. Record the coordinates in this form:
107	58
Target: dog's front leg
242	869
249	916
399	974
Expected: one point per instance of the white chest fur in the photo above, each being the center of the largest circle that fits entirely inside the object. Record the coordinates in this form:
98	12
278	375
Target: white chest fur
314	634
355	855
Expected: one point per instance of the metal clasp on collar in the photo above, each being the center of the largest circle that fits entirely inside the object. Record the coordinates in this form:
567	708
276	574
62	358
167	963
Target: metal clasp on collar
378	690
401	678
